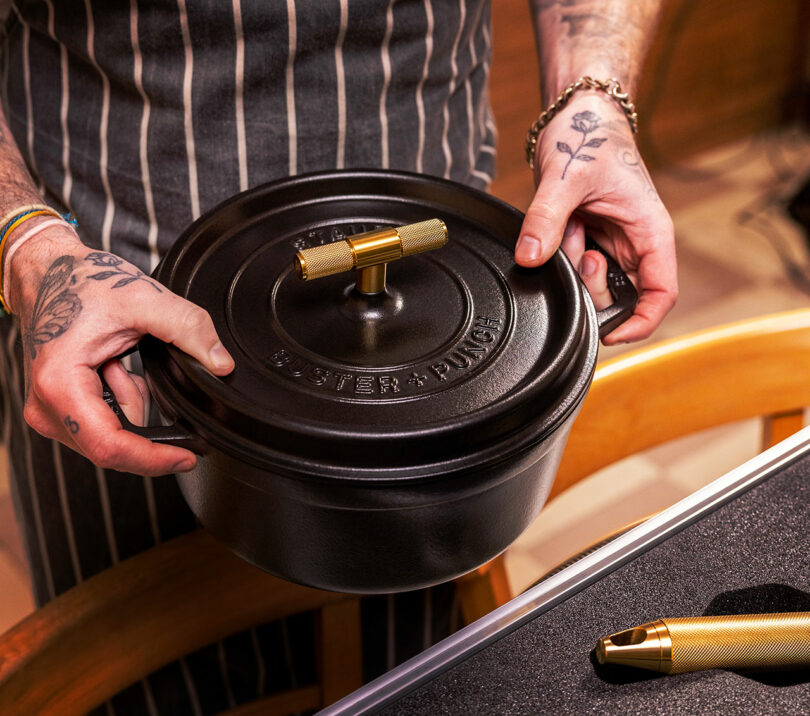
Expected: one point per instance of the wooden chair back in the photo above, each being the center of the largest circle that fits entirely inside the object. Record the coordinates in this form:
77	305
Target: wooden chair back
753	368
120	625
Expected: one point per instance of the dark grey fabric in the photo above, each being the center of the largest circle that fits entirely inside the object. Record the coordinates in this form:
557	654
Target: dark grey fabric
136	116
65	78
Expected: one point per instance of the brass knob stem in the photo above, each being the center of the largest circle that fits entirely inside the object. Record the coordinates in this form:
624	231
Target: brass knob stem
371	280
370	252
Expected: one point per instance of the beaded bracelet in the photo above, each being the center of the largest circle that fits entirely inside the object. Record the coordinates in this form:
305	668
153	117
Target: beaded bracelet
610	87
10	222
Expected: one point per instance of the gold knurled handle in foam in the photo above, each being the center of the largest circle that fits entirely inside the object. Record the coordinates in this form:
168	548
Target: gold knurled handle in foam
739	641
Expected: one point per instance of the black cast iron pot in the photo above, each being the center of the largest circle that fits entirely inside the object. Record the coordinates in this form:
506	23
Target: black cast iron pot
374	443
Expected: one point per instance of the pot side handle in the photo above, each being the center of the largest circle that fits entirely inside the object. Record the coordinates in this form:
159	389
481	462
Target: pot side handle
165	434
621	288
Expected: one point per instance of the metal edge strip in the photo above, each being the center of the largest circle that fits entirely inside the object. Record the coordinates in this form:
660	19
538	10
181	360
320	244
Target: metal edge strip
415	672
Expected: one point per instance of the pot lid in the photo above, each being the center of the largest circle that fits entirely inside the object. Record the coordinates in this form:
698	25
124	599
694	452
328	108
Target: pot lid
463	358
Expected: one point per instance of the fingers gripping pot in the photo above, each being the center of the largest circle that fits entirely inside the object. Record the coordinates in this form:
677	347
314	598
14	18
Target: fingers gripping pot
384	434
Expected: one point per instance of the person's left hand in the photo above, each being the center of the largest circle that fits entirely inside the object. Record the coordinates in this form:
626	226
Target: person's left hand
590	178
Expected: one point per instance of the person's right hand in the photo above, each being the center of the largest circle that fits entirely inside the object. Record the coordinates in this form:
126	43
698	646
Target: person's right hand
591	179
79	308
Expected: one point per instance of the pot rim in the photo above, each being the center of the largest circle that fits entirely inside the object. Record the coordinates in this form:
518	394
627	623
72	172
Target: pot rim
263	457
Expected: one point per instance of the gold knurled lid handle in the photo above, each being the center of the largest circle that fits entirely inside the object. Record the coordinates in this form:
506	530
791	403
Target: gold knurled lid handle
371	250
424	236
325	260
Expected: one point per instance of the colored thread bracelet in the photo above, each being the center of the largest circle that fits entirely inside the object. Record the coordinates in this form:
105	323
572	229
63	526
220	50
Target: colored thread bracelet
32	232
9	223
6	221
610	87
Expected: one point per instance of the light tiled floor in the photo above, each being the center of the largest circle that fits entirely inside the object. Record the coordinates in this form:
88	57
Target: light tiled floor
729	270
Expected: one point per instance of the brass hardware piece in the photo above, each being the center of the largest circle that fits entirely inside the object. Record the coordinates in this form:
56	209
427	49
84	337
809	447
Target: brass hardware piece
740	641
370	253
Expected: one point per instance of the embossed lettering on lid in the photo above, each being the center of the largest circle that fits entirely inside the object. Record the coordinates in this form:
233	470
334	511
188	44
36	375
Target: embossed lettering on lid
462	356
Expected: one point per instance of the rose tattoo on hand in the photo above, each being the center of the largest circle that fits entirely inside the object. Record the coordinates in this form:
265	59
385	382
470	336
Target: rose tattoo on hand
585	123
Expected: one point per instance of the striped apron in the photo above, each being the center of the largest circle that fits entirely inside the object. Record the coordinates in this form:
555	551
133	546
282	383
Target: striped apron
137	116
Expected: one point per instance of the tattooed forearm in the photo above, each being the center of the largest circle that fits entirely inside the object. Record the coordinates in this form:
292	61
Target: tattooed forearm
57	305
71	424
601	37
579	18
585	123
113	264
